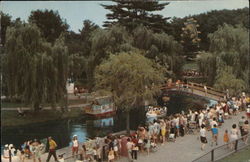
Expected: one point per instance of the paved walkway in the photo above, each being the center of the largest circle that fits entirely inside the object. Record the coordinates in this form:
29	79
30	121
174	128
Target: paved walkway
186	148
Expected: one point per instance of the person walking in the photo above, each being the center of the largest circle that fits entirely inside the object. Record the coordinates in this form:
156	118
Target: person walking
241	123
203	137
215	133
135	149
234	135
245	132
75	145
52	149
129	148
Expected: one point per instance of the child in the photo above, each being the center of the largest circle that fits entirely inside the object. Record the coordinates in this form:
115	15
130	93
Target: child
135	149
214	135
220	120
226	137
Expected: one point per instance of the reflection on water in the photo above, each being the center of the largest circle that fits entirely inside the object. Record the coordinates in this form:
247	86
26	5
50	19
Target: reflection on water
100	123
62	131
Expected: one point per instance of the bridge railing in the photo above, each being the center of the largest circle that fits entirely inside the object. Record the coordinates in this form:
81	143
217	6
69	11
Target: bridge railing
195	86
211	91
223	151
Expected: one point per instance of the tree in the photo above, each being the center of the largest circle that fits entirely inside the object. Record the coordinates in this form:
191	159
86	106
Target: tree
36	70
50	23
5	22
133	13
160	47
231	45
229	49
209	23
103	42
126	76
86	32
227	80
207	66
190	39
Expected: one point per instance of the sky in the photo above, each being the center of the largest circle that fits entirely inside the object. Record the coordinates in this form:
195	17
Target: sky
75	12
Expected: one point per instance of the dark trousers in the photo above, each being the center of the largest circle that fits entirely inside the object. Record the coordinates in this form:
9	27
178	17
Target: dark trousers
181	130
52	152
134	154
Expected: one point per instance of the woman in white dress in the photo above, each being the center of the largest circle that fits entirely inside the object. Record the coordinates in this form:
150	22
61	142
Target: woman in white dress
234	135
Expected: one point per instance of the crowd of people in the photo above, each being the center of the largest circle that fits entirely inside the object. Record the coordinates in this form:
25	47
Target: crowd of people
29	150
192	73
148	137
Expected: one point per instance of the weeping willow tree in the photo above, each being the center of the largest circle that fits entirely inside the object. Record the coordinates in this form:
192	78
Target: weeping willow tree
207	65
36	71
131	78
160	47
225	79
229	49
103	42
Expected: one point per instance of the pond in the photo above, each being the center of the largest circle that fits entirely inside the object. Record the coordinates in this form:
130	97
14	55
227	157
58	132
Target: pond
63	130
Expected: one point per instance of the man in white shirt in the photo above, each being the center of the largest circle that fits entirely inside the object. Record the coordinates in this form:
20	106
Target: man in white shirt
203	137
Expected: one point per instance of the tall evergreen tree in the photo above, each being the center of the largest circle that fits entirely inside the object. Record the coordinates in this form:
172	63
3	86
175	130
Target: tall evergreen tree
133	13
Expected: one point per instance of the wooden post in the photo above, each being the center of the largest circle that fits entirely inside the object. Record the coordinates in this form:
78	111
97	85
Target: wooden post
212	155
10	155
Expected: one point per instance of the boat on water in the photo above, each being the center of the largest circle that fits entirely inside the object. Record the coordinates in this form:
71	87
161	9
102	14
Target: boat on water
101	106
154	113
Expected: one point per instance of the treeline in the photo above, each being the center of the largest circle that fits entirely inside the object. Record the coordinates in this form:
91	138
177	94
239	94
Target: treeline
39	56
209	22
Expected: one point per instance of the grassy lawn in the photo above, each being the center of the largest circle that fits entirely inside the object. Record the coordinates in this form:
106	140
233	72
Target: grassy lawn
10	118
11	104
241	156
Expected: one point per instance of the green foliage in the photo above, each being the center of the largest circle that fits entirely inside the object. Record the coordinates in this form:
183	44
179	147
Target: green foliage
131	14
207	65
79	46
227	80
103	42
74	43
36	71
229	50
209	23
5	22
228	38
50	23
160	47
126	75
231	45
